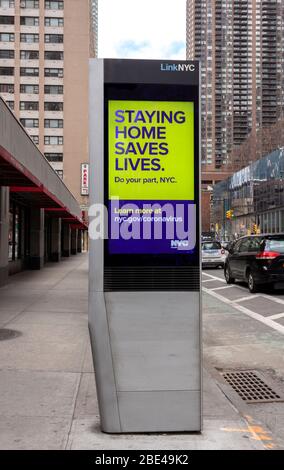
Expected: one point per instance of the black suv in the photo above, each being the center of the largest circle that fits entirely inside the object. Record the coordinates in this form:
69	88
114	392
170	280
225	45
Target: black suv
257	259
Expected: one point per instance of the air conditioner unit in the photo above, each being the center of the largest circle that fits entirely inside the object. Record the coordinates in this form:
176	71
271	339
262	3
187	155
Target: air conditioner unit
23	4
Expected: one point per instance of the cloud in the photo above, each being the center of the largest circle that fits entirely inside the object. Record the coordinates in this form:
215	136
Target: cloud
129	47
148	29
176	48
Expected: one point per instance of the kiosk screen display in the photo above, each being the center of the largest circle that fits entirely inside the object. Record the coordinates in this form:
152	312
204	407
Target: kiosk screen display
151	176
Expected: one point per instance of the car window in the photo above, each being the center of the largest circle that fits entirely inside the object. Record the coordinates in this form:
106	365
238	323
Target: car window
231	246
274	245
236	246
254	244
211	246
244	245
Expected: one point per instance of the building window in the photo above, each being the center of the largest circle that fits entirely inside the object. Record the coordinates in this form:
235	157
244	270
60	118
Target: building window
7	37
53	89
29	20
7	54
7	3
7	19
35	139
53	140
29	122
7	88
11	104
30	38
29	55
29	89
29	106
53	38
60	173
53	106
53	55
54	157
33	4
29	71
54	5
6	70
53	73
53	123
54	22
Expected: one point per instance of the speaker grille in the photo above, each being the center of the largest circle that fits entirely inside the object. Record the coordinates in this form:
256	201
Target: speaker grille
154	278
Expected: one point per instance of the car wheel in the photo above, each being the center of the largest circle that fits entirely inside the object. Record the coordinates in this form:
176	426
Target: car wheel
251	283
228	276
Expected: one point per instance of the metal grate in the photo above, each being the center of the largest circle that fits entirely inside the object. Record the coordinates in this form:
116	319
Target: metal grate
151	278
251	387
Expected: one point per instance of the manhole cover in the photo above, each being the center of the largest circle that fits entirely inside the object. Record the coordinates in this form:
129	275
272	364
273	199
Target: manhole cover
8	334
251	387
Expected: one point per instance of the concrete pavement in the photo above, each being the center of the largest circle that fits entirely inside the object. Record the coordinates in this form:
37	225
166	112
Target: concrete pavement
47	388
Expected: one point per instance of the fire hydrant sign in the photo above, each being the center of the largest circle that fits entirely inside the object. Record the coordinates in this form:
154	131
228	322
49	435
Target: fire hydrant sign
85	179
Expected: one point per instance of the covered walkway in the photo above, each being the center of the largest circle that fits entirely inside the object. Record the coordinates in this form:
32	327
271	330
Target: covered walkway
40	220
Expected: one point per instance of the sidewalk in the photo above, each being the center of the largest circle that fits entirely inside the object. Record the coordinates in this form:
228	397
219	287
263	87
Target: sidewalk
47	388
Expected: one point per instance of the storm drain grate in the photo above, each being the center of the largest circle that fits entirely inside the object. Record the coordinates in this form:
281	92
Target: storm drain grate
251	387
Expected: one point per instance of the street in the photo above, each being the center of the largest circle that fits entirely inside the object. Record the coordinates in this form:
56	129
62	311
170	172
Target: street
47	384
244	331
267	306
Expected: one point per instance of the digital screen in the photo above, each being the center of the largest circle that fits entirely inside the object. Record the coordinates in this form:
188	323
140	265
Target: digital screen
151	176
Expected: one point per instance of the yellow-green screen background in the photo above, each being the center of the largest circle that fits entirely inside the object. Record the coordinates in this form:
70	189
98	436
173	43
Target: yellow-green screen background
179	163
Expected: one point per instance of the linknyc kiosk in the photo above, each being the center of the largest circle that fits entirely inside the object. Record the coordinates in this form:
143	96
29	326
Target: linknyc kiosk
144	290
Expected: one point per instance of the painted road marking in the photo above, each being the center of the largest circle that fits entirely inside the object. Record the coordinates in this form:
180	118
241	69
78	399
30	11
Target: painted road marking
264	435
275	299
256	316
222	287
214	277
249	297
208	280
257	432
253	296
268	321
276	316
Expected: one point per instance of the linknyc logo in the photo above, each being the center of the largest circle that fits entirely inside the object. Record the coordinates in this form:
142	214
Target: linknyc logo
177	67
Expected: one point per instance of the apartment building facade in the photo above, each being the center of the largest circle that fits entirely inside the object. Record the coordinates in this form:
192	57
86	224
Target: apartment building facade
95	23
240	44
44	50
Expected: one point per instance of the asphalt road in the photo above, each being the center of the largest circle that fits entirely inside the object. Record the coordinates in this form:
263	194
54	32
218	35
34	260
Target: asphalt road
266	306
244	331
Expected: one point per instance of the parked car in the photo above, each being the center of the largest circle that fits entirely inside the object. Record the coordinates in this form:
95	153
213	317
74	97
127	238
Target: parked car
208	236
256	259
213	255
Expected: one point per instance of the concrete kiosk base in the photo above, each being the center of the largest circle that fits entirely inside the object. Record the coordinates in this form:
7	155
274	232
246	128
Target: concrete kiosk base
146	350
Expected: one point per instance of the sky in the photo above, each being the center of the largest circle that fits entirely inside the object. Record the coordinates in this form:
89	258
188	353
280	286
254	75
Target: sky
142	29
